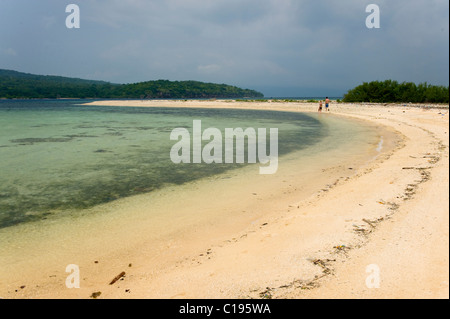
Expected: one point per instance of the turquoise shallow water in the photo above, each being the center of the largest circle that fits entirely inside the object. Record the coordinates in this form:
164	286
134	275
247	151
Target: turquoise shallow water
60	155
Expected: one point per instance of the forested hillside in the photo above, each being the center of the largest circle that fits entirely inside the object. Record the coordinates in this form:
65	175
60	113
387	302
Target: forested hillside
22	85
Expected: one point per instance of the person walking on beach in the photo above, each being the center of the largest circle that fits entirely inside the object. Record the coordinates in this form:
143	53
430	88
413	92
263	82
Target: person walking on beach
327	104
320	106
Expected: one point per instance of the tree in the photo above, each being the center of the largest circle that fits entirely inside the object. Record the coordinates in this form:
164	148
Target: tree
393	92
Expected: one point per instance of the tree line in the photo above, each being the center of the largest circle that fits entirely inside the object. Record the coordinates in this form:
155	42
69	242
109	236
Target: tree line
21	85
394	92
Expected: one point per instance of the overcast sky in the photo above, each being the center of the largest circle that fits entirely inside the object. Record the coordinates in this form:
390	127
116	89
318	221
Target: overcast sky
279	47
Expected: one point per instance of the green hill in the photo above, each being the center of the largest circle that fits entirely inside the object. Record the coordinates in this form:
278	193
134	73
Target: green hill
15	84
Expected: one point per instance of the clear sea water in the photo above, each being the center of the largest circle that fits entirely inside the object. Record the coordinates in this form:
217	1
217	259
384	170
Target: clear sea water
59	155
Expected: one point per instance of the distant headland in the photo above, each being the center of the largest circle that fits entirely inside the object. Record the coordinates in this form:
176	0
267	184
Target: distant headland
17	85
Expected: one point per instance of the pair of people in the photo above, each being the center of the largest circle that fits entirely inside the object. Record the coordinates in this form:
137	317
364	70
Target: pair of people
327	105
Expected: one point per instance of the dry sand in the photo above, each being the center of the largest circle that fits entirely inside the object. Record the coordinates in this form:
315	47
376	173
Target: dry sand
391	217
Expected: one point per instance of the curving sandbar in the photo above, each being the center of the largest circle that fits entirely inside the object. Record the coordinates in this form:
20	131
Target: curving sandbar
379	231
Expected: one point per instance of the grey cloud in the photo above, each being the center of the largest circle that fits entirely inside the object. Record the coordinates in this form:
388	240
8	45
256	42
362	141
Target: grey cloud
284	44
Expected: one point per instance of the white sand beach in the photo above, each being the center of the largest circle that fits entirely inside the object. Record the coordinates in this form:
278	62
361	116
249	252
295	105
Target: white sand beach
385	219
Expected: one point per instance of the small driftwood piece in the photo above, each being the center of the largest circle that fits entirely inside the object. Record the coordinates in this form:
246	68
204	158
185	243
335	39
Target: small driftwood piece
369	222
117	278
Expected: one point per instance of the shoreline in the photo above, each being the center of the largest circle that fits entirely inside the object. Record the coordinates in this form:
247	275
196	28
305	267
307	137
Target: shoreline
424	191
320	247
